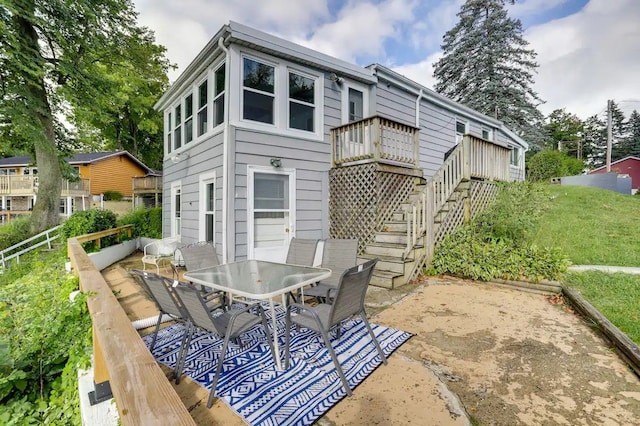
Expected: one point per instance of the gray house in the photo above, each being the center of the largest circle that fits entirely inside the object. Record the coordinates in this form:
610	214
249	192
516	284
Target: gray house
266	140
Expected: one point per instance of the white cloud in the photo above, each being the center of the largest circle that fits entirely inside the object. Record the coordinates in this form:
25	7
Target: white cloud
421	72
589	57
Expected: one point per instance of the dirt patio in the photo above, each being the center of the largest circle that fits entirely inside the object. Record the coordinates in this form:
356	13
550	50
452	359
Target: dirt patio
480	355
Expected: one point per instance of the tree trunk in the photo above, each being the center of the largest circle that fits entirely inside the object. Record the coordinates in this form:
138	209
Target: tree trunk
45	211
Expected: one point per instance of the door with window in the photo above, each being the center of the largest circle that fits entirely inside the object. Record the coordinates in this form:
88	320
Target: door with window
354	109
271	211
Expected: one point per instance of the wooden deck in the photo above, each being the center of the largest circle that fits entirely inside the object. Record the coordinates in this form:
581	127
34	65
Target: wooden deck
138	306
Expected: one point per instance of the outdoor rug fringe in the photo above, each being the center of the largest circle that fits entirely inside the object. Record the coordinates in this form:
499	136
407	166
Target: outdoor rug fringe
261	395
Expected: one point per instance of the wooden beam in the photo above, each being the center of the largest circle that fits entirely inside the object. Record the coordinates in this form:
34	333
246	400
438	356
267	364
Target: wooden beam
142	392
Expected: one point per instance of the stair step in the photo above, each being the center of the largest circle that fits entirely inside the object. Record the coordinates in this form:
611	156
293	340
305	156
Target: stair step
391	238
383	279
398	216
399	226
386	249
386	263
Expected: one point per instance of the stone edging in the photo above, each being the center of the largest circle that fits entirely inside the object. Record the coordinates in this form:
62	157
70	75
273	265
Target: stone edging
625	347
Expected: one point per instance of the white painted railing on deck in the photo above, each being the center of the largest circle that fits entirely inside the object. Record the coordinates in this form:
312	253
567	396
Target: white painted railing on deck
28	185
473	157
375	138
23	247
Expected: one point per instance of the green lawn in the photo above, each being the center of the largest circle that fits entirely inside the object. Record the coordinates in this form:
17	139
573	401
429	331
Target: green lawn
598	227
592	226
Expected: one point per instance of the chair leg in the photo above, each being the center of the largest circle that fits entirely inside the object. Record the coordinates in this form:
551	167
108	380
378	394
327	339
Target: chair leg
155	333
373	337
287	338
343	378
184	350
223	353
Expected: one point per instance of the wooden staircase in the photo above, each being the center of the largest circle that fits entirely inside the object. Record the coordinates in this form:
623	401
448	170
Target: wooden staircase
396	265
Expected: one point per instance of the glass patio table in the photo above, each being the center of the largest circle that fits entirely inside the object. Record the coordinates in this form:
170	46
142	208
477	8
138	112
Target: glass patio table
261	280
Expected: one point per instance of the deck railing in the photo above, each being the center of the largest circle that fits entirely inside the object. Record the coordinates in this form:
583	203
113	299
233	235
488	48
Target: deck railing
375	138
28	186
147	183
471	158
141	390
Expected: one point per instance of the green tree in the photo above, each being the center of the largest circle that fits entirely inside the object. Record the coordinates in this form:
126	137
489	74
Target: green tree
634	133
549	163
51	56
565	128
487	66
125	119
595	141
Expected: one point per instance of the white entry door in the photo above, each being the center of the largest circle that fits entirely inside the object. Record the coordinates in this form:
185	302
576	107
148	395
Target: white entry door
271	211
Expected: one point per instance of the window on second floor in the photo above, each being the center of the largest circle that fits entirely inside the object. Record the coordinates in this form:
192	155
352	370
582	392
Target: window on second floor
203	94
8	172
301	102
258	91
177	130
219	77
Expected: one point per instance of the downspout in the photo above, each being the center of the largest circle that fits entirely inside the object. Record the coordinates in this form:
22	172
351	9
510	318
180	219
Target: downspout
225	151
418	99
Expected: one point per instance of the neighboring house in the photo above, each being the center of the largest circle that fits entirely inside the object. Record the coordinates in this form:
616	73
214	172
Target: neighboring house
99	172
266	139
625	166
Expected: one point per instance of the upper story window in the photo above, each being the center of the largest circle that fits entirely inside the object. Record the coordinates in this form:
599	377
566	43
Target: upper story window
203	94
487	134
219	77
169	133
301	102
258	98
461	129
8	172
30	171
177	130
188	119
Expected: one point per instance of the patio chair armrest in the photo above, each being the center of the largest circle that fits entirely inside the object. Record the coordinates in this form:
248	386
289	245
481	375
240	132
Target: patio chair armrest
304	308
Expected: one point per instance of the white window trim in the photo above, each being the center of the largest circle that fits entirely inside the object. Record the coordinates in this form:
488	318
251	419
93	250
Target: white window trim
276	89
212	79
175	233
251	171
316	101
346	85
489	131
205	179
519	157
198	109
281	101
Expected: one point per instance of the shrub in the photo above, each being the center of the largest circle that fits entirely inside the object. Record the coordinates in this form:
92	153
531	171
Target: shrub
146	222
112	196
14	231
548	164
87	222
498	243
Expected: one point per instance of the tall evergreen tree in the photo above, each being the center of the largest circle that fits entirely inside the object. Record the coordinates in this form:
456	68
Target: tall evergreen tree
487	66
595	141
633	136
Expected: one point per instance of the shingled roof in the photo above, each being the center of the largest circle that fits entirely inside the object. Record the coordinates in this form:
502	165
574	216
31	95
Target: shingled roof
81	158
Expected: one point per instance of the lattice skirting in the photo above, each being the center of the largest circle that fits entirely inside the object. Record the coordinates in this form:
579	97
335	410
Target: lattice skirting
362	199
482	195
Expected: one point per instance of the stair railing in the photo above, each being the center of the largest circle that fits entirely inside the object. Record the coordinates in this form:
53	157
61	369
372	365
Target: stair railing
29	244
435	194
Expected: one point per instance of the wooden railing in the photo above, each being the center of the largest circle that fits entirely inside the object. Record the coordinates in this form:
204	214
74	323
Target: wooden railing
151	183
375	138
141	390
28	185
471	158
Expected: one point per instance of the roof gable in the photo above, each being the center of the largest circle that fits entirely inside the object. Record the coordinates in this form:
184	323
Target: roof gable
630	157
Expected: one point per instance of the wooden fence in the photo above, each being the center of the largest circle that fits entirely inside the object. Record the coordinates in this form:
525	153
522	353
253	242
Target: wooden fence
141	390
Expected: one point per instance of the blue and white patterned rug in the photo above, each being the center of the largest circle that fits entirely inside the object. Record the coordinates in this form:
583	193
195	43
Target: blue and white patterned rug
261	395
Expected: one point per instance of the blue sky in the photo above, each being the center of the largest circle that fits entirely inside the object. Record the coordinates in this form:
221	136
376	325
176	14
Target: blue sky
588	50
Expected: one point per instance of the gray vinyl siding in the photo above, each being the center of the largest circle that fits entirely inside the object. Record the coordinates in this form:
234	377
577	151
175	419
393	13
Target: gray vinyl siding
204	157
311	161
517	173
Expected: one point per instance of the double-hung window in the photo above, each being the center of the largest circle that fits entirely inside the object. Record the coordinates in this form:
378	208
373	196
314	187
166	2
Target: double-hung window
202	107
177	130
218	95
301	102
188	119
515	156
169	133
258	97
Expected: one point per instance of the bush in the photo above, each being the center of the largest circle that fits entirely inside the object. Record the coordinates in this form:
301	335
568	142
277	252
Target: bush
14	231
112	196
45	337
498	243
548	164
146	222
87	222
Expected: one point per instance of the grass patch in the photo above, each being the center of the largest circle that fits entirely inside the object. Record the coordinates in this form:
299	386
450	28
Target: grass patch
616	296
592	226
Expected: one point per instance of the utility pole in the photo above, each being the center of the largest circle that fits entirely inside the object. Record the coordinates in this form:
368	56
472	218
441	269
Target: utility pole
609	136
